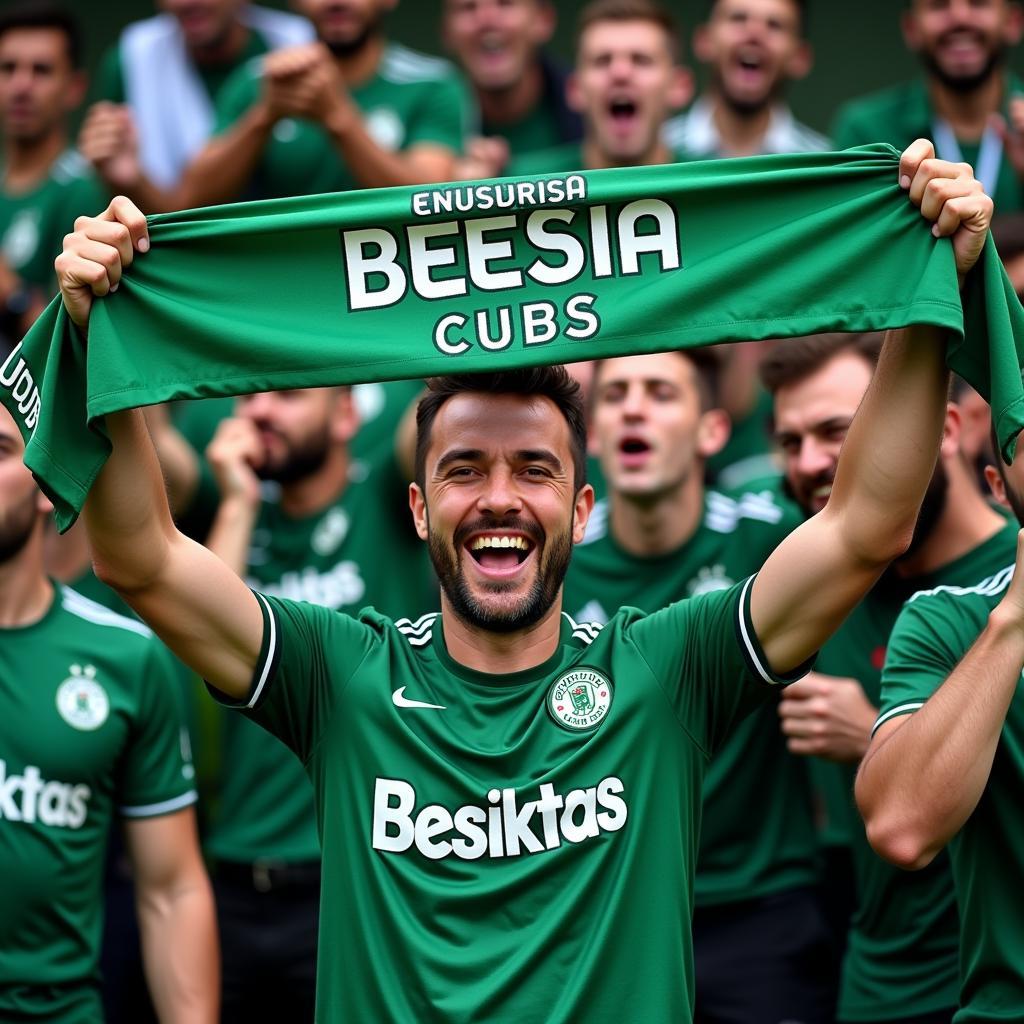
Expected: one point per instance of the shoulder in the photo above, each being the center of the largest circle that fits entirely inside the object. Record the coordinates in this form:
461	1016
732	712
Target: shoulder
877	108
944	607
401	65
103	630
734	510
71	169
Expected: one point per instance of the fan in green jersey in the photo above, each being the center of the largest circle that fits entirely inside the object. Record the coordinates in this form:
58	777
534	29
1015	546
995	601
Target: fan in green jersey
90	732
350	110
945	764
658	537
493	850
901	945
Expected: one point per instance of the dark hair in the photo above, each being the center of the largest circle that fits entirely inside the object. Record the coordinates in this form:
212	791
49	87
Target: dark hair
707	369
42	14
630	10
796	358
551	382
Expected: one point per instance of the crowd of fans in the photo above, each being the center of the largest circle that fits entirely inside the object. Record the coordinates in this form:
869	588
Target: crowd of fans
304	493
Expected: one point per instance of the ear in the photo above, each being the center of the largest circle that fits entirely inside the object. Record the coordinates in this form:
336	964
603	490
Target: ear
43	505
581	512
911	36
800	63
949	447
344	417
713	430
680	88
1014	27
418	507
703	46
544	22
996	485
573	95
74	95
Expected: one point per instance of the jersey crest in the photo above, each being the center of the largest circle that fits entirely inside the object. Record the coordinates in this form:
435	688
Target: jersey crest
580	699
81	701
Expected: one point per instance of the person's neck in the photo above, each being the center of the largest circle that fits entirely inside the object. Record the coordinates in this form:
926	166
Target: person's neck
361	65
311	494
25	592
657	526
511	105
966	521
501	653
968	112
740	132
595	160
224	50
26	164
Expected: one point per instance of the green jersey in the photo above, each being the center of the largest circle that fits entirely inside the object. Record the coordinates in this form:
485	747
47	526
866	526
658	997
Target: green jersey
412	99
499	847
903	113
90	728
903	941
361	551
33	224
934	631
754	841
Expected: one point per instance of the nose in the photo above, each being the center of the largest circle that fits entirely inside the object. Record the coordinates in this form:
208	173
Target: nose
499	495
813	458
634	404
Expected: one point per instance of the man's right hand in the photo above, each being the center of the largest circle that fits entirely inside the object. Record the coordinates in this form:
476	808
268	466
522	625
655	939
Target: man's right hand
96	253
234	451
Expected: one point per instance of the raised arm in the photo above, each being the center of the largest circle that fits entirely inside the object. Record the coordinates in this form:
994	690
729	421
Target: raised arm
925	772
197	605
818	573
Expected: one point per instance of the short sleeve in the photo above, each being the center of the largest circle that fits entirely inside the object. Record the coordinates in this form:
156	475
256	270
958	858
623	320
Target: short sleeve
708	660
308	655
156	775
442	117
929	638
237	94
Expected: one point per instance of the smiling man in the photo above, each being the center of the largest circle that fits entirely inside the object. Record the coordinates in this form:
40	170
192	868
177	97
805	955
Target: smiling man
509	801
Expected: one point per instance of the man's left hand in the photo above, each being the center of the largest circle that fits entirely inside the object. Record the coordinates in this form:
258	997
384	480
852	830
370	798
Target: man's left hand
827	716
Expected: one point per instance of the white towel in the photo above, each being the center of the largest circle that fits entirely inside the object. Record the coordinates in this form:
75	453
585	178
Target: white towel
173	112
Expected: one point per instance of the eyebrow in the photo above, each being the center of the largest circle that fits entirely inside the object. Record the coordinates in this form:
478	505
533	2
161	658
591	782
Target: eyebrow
475	455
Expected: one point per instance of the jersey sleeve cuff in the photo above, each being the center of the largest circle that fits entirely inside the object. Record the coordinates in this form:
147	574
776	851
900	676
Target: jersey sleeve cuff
907	708
757	661
266	663
155	810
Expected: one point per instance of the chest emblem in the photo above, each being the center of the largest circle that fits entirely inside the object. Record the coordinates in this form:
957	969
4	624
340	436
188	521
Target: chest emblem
330	532
580	699
22	238
81	701
709	579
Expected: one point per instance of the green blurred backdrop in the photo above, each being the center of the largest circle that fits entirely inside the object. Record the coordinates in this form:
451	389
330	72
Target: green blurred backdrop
858	45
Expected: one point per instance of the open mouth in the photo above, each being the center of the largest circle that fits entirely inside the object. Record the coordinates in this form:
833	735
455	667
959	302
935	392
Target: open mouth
500	554
634	450
622	112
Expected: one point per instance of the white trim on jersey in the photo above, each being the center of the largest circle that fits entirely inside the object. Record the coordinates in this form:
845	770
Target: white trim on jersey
420	632
89	610
271	652
987	588
748	642
585	631
900	709
176	803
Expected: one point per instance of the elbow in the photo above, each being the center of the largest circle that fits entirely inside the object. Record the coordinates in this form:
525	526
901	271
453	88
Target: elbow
899	843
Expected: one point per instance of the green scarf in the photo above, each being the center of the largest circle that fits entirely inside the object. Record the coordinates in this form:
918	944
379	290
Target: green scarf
411	282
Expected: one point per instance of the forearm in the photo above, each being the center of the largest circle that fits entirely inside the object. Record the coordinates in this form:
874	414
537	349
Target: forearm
231	532
180	951
221	172
372	166
126	512
918	786
889	454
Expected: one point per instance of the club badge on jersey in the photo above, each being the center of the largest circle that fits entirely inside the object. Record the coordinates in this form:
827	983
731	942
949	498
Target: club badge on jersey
580	699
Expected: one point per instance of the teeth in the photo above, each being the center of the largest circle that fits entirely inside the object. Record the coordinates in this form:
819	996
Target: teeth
500	542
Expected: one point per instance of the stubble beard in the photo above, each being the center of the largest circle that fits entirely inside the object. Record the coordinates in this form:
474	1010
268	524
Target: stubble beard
16	530
965	84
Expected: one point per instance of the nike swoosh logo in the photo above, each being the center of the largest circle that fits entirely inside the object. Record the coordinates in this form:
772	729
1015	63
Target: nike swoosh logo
401	701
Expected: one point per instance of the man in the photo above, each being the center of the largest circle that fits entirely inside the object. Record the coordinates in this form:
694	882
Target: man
901	959
520	91
752	50
944	764
961	102
90	730
157	89
45	186
316	536
446	750
626	82
348	111
654	421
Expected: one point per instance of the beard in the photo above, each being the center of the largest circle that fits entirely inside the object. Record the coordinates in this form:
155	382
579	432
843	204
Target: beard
16	528
354	44
749	108
965	84
301	460
553	561
1013	497
932	506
